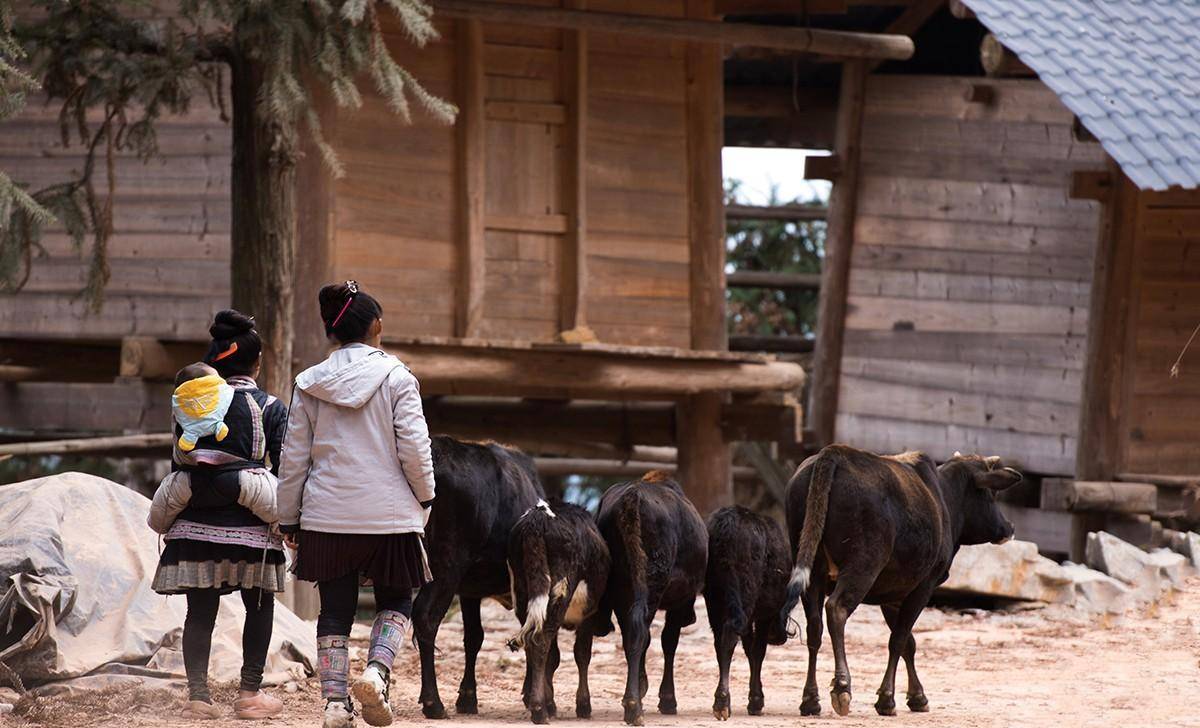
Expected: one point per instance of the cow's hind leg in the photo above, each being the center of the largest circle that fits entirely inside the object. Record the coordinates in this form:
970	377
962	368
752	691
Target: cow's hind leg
583	658
724	641
635	638
755	646
853	584
901	620
468	695
553	658
677	619
428	610
813	600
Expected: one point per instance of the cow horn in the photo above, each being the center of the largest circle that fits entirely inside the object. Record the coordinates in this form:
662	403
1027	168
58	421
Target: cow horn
992	461
957	454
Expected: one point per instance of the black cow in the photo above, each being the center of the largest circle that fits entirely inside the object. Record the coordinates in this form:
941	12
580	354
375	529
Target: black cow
559	566
659	549
482	489
745	590
883	530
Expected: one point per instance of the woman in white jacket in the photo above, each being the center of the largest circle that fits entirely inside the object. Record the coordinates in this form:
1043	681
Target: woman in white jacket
355	486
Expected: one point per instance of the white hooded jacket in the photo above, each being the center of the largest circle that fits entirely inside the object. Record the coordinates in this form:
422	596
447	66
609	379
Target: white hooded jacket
356	454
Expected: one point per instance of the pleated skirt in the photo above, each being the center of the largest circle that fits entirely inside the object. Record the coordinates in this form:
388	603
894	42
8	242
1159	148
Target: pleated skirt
394	560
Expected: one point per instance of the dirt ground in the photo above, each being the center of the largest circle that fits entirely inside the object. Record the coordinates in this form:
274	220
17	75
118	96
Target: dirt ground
1046	667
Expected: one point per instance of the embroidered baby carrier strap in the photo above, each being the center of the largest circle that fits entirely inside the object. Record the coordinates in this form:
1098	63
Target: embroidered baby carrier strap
256	537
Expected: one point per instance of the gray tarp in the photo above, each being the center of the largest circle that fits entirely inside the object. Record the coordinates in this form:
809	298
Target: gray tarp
76	562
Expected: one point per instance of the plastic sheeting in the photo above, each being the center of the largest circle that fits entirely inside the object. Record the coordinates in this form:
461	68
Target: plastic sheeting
76	608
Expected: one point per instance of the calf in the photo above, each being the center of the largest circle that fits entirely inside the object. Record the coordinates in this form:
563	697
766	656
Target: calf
883	530
559	568
745	590
659	549
482	489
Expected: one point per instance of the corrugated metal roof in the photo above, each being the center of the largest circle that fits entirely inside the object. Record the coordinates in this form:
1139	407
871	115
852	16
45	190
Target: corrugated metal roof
1129	69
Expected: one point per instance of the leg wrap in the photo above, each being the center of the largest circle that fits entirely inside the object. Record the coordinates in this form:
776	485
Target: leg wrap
333	666
386	636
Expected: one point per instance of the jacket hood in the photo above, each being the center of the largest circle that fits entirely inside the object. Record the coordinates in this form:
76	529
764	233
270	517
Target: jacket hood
349	377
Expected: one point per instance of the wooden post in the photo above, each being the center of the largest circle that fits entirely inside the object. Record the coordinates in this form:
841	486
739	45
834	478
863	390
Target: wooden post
705	460
835	270
1000	62
1098	455
471	177
573	290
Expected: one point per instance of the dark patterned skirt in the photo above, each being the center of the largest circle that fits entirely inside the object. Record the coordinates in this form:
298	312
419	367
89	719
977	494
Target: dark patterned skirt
394	560
187	564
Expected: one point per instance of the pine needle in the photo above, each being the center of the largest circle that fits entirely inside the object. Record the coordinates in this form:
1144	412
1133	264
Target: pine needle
1175	366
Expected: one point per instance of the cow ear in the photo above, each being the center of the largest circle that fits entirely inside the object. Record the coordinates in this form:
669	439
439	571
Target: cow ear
1001	479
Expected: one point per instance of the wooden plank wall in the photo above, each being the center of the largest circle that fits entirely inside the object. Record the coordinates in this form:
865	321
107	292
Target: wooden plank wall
968	301
169	254
394	210
1161	415
637	172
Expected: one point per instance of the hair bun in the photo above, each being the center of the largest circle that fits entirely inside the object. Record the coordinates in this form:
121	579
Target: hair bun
230	323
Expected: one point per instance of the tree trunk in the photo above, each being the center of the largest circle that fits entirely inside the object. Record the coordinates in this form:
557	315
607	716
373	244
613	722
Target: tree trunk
263	238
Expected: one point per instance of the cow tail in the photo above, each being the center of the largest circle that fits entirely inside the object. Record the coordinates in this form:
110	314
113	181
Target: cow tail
815	508
630	522
537	576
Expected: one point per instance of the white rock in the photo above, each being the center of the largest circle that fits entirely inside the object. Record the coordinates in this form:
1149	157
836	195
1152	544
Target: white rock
1098	592
1127	563
1176	567
1013	570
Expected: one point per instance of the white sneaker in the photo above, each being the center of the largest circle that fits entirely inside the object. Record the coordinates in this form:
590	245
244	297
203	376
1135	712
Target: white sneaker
371	691
338	714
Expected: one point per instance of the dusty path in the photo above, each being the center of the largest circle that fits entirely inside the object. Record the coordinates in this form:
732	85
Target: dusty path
1034	668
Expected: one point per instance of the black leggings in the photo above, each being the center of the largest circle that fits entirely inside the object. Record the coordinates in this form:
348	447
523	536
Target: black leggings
202	607
339	604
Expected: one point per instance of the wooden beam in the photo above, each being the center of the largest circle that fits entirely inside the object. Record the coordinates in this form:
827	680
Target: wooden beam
471	150
795	7
773	344
777	101
1000	62
979	93
617	468
797	213
622	425
826	168
526	112
1098	455
959	10
772	279
147	358
127	405
1091	185
800	40
911	20
1063	494
573	270
61	361
155	441
839	241
705	461
585	374
782	422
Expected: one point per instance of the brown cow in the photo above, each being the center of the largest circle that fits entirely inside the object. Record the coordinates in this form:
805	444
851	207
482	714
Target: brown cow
883	530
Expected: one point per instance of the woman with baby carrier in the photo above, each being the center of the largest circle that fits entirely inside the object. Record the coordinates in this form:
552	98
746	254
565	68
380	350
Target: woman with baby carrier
217	507
355	486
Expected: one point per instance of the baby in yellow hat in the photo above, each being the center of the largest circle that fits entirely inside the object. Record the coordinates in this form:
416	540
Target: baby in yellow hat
199	404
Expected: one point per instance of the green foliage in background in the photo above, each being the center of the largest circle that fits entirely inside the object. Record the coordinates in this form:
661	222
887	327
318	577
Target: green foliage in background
779	246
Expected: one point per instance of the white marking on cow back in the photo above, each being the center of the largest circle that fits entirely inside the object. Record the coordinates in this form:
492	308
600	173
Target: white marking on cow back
577	609
542	506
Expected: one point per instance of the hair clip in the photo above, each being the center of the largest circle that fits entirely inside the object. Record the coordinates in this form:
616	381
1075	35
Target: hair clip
227	353
352	286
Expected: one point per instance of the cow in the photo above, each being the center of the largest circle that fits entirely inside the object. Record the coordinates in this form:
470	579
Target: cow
659	551
558	565
883	529
745	590
482	489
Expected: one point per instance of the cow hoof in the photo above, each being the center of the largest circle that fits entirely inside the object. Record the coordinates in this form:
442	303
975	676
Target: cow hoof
721	713
552	709
668	706
811	705
755	705
434	710
886	705
918	703
721	705
583	710
841	703
633	712
467	704
539	716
